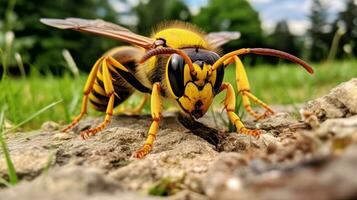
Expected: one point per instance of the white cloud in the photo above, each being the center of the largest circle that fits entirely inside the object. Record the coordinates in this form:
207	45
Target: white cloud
260	1
296	12
334	5
195	5
298	27
120	6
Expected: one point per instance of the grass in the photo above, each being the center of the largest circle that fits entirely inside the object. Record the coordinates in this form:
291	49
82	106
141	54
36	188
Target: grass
289	83
283	84
165	187
26	96
13	180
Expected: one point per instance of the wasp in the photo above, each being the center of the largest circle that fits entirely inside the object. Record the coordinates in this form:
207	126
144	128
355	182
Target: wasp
178	62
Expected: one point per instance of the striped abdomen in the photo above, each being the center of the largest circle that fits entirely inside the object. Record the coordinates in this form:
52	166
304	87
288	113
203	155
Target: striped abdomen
128	57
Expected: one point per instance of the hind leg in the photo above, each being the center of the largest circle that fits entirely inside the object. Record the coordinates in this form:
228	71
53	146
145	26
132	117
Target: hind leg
86	91
108	91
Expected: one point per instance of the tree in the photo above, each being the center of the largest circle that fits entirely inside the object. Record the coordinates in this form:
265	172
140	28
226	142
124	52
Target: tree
153	12
347	20
43	45
318	32
222	15
283	40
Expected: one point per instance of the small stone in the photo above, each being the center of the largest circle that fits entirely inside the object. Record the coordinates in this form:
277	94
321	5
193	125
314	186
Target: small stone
62	136
50	126
309	118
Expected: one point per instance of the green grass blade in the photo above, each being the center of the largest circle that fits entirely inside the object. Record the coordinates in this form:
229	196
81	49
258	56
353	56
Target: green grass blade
34	115
10	166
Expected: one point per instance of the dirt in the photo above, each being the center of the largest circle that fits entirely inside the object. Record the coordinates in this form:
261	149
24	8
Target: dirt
310	157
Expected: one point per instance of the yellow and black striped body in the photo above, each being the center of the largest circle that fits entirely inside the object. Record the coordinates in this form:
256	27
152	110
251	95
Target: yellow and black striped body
142	76
123	87
178	62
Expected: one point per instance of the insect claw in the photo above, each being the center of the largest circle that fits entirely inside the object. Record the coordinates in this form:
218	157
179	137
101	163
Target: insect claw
137	155
265	115
255	133
86	134
83	135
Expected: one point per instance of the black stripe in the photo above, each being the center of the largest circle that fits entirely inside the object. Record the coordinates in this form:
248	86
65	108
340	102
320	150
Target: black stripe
122	91
100	96
100	83
118	88
100	107
132	80
116	82
123	94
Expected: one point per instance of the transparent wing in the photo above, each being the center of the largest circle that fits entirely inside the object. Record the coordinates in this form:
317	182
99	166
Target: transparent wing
101	27
217	39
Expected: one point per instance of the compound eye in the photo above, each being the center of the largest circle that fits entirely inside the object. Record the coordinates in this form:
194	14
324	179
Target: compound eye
175	72
219	79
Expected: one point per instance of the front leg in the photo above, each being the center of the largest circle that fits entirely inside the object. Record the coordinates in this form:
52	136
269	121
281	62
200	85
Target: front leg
244	90
229	104
156	109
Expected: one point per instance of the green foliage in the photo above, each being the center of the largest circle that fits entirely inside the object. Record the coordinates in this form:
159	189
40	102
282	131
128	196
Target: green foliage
165	187
153	12
4	149
41	46
222	15
347	20
10	166
283	40
290	84
25	96
319	33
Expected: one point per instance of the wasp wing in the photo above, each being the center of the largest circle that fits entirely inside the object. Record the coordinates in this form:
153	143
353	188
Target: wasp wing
101	27
217	39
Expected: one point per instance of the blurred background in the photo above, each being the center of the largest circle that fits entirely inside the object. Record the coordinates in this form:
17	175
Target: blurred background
41	65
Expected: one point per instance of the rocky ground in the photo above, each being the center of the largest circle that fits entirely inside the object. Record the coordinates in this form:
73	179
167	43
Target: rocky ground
312	157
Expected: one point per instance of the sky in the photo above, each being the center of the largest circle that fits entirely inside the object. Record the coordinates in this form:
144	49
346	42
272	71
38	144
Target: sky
296	12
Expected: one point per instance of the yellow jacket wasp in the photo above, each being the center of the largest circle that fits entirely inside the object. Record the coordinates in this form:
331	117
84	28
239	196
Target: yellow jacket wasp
178	62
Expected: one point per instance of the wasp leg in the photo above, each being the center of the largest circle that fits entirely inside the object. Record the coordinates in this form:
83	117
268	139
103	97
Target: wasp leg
87	89
156	108
244	90
135	111
229	104
109	90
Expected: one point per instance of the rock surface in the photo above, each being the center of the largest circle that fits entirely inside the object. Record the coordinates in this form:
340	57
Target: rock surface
340	102
292	160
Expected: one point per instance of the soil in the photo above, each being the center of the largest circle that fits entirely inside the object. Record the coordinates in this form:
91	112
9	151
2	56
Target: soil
309	157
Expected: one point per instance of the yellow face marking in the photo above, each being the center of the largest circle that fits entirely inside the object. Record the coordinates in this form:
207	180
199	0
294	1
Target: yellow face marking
201	75
195	101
